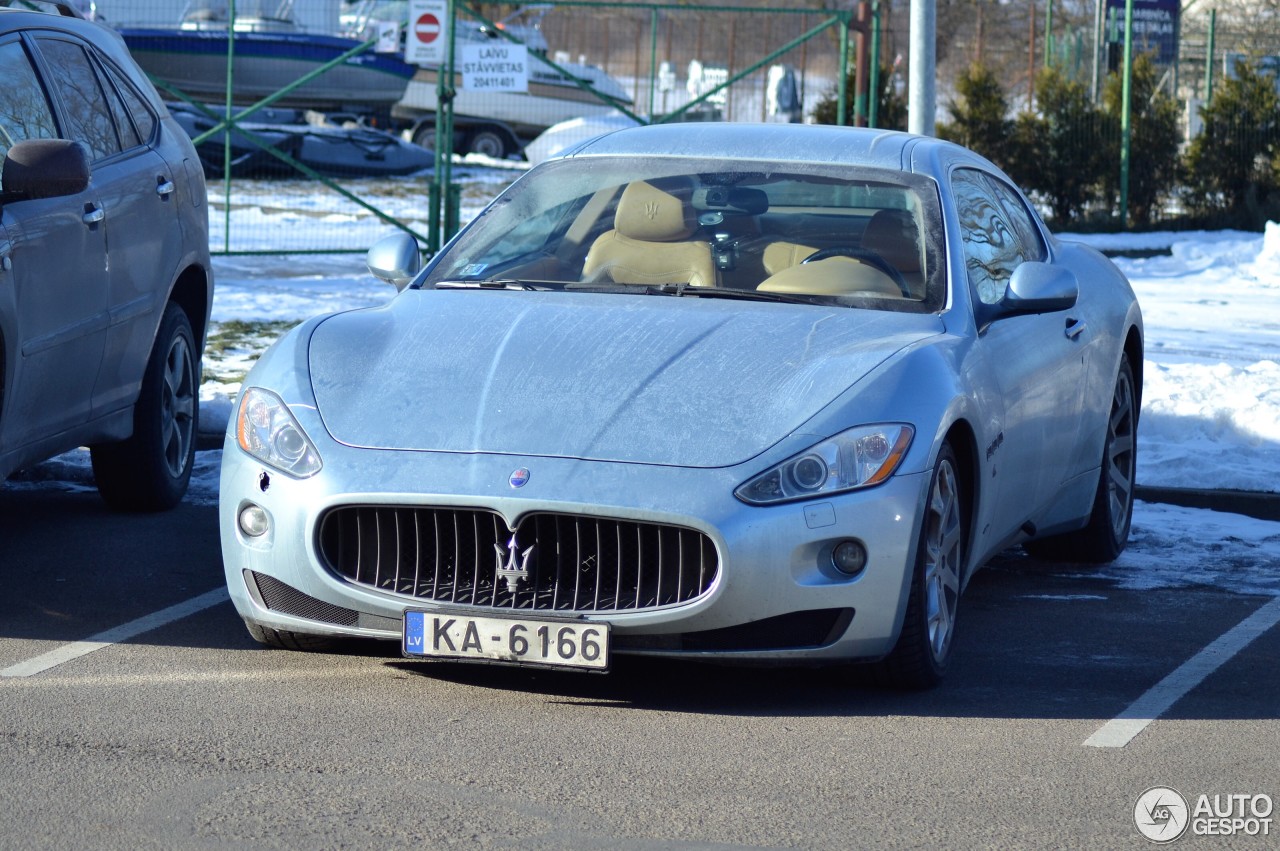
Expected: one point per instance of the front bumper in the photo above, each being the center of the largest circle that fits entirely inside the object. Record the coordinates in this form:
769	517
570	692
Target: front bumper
776	596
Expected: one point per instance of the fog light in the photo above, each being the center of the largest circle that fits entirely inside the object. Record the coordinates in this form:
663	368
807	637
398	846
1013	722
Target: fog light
849	557
254	521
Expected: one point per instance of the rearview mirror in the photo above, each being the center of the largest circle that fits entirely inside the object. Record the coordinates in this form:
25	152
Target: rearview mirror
46	168
395	259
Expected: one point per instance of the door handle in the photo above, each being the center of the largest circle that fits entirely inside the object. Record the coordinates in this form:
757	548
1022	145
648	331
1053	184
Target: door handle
1075	327
93	215
164	186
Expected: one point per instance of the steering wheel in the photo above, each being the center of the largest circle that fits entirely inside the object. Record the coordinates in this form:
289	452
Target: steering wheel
864	255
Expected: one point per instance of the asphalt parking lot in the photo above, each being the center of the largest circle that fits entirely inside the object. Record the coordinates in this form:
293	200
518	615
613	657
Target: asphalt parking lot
170	728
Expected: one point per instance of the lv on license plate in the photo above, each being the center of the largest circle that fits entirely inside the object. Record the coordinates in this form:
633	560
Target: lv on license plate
523	641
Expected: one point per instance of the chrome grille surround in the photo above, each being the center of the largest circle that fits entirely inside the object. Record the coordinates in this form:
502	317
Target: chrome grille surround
469	557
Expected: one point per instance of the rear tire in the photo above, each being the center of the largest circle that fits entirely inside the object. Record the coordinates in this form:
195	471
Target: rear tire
919	659
1108	531
150	471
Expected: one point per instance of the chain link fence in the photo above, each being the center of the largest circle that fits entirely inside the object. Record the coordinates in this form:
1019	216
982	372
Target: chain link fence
317	136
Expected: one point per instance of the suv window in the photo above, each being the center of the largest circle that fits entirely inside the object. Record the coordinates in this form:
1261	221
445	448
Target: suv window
24	109
135	110
998	231
90	107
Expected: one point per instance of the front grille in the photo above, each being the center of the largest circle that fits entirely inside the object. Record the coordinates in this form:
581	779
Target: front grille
553	562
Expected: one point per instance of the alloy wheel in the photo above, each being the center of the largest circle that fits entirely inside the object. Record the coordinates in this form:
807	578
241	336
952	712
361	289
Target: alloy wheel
1120	454
177	406
943	552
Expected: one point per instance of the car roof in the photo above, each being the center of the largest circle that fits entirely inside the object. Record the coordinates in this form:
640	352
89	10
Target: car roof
811	143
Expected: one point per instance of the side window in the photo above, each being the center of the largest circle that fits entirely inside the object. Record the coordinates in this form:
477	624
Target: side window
131	111
89	113
24	109
1020	221
998	232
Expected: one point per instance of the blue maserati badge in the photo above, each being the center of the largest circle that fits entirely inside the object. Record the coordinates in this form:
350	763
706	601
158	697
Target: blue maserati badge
519	478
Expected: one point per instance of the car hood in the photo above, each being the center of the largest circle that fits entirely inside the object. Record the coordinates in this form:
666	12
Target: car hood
645	379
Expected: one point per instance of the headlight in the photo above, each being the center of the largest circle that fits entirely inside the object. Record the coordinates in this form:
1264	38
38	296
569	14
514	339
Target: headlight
857	458
267	431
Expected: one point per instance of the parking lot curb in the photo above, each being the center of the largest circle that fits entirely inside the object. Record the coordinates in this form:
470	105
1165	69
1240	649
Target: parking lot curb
1259	504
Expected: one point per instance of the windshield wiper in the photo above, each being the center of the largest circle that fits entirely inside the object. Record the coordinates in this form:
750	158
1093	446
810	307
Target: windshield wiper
742	295
483	285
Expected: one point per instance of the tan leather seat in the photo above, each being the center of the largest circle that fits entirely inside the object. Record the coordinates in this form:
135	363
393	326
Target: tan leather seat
649	243
832	276
893	235
783	255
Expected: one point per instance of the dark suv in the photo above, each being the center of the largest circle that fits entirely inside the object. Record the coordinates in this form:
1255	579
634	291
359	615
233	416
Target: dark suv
105	283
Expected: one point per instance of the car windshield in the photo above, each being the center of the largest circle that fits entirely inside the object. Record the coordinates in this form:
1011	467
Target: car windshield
708	228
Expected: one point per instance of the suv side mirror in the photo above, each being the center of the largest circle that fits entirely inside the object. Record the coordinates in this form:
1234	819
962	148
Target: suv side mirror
46	168
395	259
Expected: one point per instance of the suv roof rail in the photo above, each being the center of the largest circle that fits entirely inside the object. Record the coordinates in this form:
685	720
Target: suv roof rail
59	7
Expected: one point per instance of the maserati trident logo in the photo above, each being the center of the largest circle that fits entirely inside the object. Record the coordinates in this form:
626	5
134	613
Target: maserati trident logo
519	478
651	209
510	572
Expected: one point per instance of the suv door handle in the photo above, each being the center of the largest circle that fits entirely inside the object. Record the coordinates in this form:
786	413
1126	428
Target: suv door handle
1075	327
164	187
93	215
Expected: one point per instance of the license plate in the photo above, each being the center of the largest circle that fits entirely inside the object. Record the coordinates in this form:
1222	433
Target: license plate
522	641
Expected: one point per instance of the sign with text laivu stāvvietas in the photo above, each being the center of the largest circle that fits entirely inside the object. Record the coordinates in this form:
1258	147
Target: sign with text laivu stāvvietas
1155	27
499	66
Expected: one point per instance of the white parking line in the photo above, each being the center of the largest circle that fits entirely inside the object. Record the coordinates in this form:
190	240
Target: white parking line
1120	730
115	635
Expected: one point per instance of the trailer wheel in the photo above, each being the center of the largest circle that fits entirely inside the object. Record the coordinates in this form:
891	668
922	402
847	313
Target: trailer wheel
490	141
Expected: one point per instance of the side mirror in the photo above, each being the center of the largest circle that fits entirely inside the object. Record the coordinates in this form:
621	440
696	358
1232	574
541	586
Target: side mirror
1040	288
395	259
46	168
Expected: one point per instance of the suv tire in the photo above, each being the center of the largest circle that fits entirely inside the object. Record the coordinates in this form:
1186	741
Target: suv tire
150	470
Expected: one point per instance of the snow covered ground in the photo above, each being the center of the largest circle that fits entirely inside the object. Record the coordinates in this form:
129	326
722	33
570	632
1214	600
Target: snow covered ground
1211	405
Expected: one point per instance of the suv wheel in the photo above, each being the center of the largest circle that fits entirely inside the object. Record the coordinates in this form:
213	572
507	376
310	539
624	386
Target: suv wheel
150	470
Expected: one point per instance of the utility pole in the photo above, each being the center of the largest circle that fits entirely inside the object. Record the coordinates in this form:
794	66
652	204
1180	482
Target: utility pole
922	90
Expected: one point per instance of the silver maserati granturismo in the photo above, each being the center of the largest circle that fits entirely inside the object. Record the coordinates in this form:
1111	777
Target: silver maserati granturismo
747	393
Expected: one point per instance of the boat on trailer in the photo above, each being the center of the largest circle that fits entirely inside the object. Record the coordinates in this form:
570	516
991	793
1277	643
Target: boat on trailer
271	52
492	123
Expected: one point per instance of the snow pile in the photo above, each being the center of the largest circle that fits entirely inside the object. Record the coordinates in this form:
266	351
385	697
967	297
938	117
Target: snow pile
1211	395
1266	268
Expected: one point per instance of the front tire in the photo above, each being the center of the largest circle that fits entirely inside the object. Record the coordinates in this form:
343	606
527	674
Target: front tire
919	659
1108	531
280	639
150	471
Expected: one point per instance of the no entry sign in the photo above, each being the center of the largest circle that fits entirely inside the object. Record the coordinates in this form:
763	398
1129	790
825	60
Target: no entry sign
428	32
427	28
